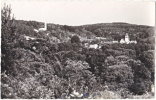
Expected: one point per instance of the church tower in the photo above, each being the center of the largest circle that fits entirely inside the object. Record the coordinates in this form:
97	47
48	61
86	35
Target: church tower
43	29
127	38
45	26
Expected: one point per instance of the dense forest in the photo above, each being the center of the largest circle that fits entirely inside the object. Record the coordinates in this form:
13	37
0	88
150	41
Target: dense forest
55	62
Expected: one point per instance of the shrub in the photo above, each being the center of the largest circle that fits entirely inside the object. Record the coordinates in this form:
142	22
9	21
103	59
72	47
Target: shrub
74	56
148	59
110	60
75	39
118	76
139	87
78	76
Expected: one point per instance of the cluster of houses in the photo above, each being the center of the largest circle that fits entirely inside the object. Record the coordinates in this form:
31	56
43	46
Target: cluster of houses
102	40
126	40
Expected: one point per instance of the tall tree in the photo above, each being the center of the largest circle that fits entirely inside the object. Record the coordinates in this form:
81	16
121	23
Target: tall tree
8	35
75	39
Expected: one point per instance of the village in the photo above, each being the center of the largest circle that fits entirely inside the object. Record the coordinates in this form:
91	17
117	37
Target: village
87	43
103	40
77	49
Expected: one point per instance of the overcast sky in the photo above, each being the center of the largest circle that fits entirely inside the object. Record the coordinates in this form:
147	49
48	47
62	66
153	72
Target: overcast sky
79	12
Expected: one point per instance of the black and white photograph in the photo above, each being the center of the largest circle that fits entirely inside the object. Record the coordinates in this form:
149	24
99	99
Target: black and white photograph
77	49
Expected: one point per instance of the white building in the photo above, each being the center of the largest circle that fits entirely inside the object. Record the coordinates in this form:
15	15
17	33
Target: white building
133	42
41	29
122	41
29	38
95	46
115	41
127	40
44	28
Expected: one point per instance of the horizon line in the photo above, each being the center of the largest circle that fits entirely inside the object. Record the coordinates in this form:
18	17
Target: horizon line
113	22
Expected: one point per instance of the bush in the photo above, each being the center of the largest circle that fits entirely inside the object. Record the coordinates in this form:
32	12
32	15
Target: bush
142	77
147	58
74	56
78	76
110	60
138	88
118	76
75	39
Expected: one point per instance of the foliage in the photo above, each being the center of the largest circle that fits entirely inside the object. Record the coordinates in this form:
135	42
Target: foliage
142	77
55	63
9	37
118	76
78	75
140	87
75	39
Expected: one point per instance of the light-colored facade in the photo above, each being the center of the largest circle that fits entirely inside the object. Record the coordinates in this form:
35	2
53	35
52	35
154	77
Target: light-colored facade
122	41
127	40
41	29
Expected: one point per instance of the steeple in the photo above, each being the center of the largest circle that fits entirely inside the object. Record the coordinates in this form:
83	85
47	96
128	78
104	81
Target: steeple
45	26
127	38
43	29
